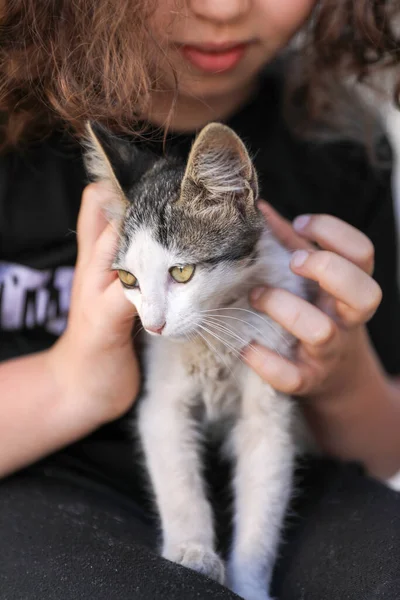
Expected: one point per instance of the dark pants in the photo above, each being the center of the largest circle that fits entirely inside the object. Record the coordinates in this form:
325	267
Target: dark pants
64	535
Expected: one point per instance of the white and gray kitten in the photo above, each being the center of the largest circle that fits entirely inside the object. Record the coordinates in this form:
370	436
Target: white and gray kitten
192	245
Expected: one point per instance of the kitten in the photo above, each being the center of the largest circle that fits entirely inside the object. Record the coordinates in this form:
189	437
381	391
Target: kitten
192	245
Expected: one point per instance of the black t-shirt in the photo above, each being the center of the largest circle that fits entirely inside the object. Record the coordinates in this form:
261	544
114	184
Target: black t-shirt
40	193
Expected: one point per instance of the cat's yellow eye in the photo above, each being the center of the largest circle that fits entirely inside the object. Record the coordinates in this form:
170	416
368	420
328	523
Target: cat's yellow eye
127	279
182	273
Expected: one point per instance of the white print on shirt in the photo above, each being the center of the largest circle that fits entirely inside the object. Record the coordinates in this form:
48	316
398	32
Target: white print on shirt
31	298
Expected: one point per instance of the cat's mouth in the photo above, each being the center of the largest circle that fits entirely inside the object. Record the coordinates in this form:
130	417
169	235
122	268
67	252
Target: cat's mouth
163	332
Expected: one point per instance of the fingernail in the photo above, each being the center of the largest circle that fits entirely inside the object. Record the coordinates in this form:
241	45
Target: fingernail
244	352
301	222
262	206
299	258
256	293
251	350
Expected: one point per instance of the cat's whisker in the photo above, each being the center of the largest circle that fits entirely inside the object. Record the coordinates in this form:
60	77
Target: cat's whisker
268	323
216	319
226	330
223	329
137	333
251	312
212	322
190	336
231	308
210	345
231	348
221	341
187	336
225	342
129	320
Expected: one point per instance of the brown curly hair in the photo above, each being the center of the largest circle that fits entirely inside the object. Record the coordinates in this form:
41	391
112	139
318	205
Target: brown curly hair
345	42
63	61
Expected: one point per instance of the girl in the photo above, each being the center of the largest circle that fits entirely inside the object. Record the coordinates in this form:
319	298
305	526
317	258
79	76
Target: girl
73	521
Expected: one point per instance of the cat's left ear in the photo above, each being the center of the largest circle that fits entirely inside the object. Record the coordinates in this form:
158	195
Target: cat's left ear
112	159
219	168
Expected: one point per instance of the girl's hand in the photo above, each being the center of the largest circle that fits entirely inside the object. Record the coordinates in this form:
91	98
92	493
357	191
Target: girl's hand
94	361
333	343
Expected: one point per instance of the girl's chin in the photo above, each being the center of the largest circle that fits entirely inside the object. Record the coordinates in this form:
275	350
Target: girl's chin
214	86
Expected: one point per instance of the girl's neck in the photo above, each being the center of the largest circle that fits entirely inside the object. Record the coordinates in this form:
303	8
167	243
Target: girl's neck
184	114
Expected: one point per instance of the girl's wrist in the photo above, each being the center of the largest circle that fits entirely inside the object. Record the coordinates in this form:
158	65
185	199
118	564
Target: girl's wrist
95	385
70	383
345	417
360	370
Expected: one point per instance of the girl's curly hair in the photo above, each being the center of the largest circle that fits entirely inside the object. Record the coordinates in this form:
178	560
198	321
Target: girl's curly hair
348	49
63	61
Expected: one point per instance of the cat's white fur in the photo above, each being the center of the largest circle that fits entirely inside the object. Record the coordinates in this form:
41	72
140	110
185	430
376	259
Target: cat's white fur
188	369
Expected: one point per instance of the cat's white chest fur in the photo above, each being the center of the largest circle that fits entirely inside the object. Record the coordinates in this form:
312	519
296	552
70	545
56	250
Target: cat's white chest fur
214	373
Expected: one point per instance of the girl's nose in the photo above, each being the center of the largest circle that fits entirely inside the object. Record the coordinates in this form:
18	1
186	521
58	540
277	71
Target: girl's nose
222	11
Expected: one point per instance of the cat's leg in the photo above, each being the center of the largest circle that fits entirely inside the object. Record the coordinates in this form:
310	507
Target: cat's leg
264	451
171	439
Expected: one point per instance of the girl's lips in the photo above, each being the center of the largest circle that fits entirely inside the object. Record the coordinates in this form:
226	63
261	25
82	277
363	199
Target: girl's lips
214	60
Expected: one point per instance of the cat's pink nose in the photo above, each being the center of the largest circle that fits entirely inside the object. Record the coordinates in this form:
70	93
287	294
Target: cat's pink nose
156	329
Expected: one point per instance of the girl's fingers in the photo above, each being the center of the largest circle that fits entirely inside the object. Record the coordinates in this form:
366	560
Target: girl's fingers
91	220
282	228
357	294
329	232
300	318
279	372
99	274
337	236
114	317
117	307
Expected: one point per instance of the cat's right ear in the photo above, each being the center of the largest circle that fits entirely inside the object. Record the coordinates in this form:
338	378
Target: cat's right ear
109	158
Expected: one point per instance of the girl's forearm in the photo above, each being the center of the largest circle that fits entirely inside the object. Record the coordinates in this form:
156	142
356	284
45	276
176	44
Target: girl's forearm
36	417
361	423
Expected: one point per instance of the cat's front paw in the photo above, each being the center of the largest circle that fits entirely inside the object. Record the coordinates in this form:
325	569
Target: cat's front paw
199	558
247	585
250	592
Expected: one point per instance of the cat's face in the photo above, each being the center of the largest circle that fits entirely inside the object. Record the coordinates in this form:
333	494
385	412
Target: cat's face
174	295
188	235
173	289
